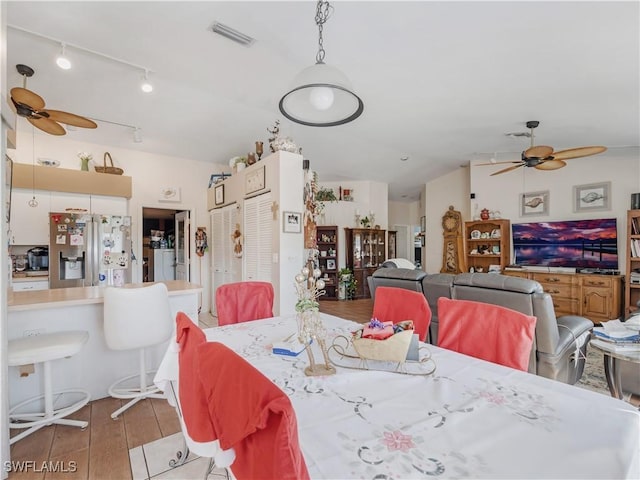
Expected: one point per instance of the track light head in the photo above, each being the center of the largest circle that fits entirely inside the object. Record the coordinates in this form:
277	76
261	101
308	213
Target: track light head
62	61
145	85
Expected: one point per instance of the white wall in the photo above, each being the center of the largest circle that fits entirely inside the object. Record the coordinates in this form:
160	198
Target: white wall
439	194
149	173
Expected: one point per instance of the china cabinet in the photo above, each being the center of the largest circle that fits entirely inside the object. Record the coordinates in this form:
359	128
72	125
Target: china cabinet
632	283
392	237
487	243
366	250
327	241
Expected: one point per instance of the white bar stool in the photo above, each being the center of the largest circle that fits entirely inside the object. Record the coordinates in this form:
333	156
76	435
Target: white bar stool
44	349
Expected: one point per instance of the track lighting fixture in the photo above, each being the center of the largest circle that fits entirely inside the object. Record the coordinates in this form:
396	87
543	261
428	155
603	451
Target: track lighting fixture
62	61
145	85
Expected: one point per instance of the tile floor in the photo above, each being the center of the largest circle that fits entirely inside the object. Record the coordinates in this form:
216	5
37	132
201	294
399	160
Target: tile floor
151	461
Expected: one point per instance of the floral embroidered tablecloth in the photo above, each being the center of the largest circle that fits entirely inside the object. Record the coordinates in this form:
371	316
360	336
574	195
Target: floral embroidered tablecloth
470	419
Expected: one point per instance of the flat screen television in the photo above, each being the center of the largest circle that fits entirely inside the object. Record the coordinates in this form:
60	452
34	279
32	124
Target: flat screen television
591	244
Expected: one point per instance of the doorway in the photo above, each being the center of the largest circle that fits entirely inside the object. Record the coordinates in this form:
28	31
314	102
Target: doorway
159	244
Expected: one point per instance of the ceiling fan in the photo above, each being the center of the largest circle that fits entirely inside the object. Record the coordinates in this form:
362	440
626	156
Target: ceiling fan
31	106
543	157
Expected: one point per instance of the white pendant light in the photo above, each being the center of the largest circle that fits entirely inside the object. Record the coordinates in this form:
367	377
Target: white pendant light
321	95
62	61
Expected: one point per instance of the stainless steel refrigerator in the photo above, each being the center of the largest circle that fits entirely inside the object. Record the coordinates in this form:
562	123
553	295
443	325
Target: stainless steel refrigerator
89	250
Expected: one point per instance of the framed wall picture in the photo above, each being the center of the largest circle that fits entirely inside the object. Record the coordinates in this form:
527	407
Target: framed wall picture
331	264
219	194
592	197
423	224
534	203
291	222
254	180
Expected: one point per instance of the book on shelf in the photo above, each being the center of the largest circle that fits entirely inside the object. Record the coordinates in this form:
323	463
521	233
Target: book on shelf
615	346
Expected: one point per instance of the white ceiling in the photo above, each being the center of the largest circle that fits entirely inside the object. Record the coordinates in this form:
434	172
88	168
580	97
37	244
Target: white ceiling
442	82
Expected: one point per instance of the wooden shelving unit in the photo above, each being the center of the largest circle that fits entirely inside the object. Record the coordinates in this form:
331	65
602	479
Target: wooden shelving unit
366	250
632	290
327	240
486	243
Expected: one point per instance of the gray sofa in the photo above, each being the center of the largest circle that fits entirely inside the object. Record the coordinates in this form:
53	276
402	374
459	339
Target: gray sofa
560	344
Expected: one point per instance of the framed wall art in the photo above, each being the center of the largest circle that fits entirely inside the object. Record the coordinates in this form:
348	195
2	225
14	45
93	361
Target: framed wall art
218	190
254	181
291	222
592	197
534	203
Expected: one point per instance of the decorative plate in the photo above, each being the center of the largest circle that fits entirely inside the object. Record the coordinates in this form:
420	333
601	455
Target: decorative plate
475	234
495	233
48	162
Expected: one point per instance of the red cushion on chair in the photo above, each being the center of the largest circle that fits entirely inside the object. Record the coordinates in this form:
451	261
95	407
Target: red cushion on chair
252	415
244	301
195	410
486	331
398	304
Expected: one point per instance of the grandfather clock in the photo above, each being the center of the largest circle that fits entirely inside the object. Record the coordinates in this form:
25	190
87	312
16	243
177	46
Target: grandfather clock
452	258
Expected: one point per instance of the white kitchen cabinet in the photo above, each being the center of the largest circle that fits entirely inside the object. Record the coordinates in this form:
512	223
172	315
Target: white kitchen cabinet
61	201
29	224
109	205
34	285
258	239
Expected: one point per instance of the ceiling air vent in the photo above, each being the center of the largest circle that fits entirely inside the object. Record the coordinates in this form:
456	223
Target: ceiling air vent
231	34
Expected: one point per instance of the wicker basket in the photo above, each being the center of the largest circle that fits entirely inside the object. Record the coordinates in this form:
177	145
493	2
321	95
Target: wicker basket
392	349
109	169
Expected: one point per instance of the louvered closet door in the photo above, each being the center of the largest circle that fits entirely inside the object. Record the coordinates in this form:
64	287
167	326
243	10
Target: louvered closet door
217	254
258	237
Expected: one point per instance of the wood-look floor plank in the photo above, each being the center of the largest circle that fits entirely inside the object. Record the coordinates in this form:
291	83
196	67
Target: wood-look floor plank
69	439
140	424
33	448
356	310
72	465
105	431
109	463
167	416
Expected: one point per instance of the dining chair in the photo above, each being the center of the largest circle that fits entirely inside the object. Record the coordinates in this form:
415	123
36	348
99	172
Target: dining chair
244	301
178	377
489	332
398	304
250	414
136	318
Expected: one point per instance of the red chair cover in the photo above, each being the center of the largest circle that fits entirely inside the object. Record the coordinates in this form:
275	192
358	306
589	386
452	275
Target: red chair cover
489	332
195	409
398	304
252	415
244	301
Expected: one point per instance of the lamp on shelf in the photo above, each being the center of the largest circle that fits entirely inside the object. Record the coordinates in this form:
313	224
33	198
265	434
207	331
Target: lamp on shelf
321	95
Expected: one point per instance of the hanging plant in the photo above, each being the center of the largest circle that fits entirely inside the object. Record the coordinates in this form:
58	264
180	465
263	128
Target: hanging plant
326	195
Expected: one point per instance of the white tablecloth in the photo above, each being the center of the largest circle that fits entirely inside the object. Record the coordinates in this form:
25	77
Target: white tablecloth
470	419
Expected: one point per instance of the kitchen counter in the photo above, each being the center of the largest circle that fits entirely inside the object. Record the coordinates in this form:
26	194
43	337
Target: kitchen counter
65	297
96	366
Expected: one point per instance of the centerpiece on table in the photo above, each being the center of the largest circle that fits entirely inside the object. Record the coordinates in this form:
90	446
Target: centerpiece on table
310	287
383	340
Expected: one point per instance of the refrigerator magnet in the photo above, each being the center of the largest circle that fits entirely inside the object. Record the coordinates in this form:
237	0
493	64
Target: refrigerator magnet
62	228
76	240
61	239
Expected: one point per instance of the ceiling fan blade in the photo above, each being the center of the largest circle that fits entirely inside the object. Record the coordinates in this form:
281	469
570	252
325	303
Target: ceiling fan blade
550	165
508	169
27	97
47	125
497	163
70	119
577	152
540	151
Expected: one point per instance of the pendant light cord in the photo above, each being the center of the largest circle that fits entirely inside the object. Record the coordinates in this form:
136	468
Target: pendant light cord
33	202
323	12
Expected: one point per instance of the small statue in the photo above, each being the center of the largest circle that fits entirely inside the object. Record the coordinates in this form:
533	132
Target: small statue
275	131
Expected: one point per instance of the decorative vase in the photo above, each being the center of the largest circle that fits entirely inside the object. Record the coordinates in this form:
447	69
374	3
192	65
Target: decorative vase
84	164
484	214
240	166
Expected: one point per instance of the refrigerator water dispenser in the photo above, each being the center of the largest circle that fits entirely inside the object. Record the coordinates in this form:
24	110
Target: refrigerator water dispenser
71	268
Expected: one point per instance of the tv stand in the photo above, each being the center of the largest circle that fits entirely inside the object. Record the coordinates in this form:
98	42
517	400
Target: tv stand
595	296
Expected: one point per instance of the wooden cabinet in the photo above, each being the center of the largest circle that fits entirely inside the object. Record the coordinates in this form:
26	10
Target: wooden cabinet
596	297
632	283
487	243
366	250
327	240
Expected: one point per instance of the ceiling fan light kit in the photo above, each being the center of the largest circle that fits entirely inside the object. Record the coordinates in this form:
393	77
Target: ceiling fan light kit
543	157
62	61
321	95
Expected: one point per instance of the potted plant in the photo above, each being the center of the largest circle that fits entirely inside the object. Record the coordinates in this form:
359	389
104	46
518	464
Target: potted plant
326	195
347	287
238	163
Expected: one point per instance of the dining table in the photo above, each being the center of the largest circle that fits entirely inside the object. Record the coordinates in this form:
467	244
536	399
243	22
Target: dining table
458	417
